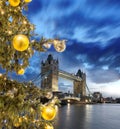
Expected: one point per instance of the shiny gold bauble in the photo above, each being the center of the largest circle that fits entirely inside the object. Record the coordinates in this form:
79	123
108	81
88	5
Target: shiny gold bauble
20	42
48	112
14	3
21	71
59	46
49	126
27	1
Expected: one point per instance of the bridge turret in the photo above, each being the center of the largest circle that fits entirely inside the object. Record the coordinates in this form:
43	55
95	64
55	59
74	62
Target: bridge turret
50	81
50	58
79	73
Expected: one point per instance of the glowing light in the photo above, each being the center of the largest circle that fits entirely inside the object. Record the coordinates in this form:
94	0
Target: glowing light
68	101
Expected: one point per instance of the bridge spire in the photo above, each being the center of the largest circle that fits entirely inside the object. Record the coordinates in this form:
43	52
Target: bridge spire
79	73
50	58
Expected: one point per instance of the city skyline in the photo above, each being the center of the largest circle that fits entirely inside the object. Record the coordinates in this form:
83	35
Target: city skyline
91	29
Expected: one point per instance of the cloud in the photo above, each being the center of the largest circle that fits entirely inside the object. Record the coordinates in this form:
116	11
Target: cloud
103	76
105	3
107	89
101	63
81	20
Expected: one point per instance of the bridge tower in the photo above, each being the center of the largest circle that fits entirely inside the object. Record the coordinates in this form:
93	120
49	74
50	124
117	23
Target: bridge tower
51	80
80	86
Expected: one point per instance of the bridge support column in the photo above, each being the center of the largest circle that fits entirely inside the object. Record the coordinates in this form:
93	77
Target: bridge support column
80	87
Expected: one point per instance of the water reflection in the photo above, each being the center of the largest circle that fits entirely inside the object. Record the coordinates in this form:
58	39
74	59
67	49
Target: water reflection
70	117
68	108
68	112
88	117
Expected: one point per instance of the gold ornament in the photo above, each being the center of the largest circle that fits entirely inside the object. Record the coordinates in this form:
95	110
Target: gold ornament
0	74
59	46
48	112
10	94
21	71
20	42
49	126
27	1
14	3
47	45
49	95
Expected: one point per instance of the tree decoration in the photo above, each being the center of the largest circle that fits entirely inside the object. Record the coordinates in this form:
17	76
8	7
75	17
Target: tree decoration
14	3
16	36
47	45
49	126
27	1
20	103
59	46
49	95
21	71
20	106
20	42
48	112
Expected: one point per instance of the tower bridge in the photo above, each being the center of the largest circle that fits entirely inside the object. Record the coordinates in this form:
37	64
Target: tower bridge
51	81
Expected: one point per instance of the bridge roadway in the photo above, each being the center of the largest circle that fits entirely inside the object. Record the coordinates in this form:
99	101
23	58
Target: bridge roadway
69	76
70	98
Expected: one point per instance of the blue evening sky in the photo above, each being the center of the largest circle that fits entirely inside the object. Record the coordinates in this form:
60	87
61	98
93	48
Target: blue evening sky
92	31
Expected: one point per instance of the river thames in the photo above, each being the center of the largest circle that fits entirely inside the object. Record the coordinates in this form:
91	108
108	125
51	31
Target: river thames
97	116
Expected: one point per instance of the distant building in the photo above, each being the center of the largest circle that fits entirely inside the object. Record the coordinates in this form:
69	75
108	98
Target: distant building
108	100
97	97
117	100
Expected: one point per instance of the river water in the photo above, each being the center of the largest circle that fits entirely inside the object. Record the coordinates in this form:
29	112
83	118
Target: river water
96	116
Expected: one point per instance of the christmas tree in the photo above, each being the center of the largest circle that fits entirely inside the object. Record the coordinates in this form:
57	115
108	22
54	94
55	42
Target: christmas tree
20	103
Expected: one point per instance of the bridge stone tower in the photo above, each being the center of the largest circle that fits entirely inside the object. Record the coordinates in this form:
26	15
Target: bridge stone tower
50	66
80	86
